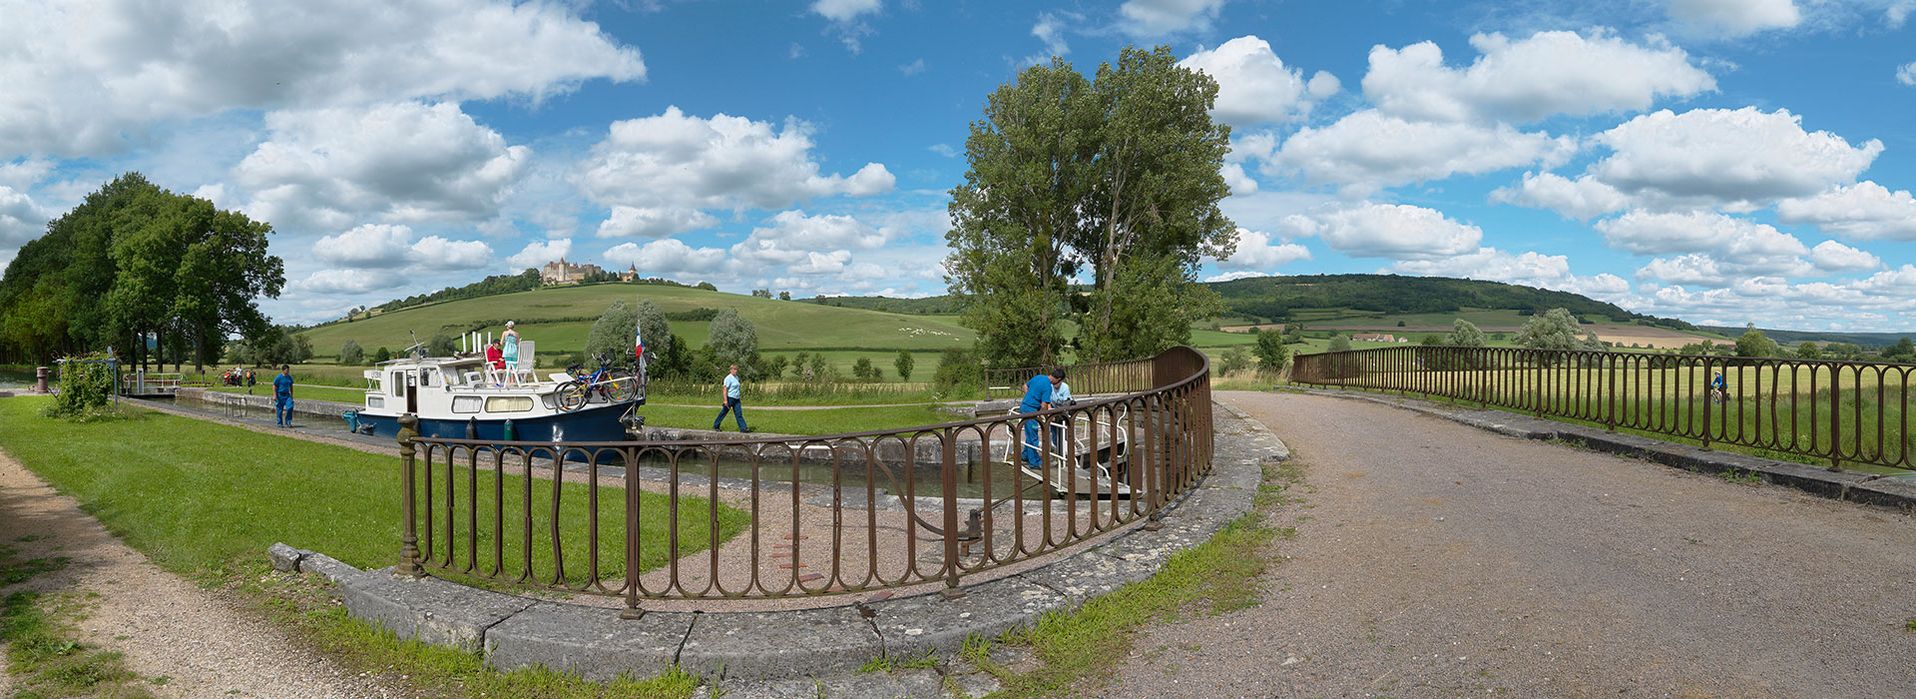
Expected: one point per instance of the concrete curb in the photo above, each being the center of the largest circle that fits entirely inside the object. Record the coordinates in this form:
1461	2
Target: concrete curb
771	648
1894	492
309	408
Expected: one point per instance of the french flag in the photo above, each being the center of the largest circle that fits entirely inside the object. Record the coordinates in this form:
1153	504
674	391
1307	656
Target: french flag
638	343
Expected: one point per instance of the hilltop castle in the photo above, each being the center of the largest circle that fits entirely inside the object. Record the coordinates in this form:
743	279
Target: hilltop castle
563	272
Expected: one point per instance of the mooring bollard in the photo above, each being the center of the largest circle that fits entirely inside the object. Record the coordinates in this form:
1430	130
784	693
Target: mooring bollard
40	380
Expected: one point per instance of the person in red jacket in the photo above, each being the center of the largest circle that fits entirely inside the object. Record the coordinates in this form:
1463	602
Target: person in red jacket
495	357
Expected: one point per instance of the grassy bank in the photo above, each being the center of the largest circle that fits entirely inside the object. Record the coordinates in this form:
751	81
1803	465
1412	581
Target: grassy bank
202	499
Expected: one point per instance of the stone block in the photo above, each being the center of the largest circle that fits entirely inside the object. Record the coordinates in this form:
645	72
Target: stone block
285	558
591	641
429	609
328	567
1090	574
913	626
1897	492
911	684
765	645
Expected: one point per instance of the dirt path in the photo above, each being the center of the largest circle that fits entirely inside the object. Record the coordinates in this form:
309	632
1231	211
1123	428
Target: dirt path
1437	560
203	643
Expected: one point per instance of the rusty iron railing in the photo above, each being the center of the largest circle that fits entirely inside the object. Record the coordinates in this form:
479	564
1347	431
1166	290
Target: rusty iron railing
1086	379
1840	412
779	517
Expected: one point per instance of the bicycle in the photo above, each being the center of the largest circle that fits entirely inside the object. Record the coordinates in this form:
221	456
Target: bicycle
601	383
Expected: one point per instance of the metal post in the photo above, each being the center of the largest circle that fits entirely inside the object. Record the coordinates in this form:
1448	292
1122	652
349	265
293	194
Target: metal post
40	380
1709	398
1609	360
409	540
1836	417
948	472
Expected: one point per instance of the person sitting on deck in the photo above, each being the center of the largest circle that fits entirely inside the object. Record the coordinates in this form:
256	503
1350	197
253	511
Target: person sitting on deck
495	358
1039	393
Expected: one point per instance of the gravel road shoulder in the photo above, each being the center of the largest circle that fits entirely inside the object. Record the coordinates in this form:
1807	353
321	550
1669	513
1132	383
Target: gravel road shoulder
203	643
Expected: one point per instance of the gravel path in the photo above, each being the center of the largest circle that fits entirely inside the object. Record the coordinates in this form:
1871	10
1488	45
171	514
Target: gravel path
203	643
1437	560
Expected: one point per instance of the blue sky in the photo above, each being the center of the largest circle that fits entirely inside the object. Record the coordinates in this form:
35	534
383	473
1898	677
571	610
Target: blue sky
1720	161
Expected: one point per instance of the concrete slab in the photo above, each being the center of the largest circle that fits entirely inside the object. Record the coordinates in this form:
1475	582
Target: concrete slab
591	641
911	684
429	609
1083	577
285	559
1895	491
914	626
763	645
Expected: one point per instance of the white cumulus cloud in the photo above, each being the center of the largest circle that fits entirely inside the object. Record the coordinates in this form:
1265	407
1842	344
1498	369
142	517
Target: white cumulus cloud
1527	268
845	10
1744	245
1865	210
1153	18
21	219
378	246
1545	74
405	162
1259	252
1581	198
1399	231
632	221
1906	74
1832	256
675	161
539	252
1254	85
93	76
1726	156
1734	18
1372	149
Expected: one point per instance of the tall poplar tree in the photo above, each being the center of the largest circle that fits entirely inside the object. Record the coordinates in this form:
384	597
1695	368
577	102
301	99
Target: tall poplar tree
1117	177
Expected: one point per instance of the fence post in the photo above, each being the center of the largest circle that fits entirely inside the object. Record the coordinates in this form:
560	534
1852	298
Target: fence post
1836	417
1709	400
1610	391
409	539
948	473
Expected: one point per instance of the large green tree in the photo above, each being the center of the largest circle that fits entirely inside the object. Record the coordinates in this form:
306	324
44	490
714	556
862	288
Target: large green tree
733	340
1556	329
1117	177
134	261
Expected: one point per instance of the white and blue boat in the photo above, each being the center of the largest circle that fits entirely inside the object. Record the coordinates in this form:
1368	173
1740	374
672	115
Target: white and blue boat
460	397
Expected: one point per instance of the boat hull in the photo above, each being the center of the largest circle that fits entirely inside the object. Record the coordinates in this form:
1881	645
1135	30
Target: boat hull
594	423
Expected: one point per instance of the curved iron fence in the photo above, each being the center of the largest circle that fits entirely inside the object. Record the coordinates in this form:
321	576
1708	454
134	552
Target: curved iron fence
783	517
1843	412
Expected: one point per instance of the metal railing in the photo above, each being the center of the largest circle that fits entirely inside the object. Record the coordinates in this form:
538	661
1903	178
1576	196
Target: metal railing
763	518
1086	379
1841	412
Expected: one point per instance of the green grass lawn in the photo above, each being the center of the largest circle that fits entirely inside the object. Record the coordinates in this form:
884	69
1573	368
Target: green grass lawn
202	499
542	317
806	422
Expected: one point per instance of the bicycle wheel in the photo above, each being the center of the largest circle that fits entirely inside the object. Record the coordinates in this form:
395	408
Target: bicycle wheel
626	389
572	396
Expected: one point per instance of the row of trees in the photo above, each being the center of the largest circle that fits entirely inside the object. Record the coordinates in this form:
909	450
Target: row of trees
135	262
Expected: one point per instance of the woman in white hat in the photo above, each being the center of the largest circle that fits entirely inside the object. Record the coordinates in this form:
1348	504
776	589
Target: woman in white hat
510	353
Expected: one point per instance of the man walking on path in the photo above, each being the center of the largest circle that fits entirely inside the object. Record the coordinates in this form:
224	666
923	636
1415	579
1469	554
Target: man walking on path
728	402
283	397
1038	397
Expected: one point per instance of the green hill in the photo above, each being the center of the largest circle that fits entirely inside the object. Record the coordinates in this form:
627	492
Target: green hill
558	318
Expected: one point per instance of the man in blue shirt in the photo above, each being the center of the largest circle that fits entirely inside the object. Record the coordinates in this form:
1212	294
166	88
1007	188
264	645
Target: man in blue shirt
728	402
283	397
1038	397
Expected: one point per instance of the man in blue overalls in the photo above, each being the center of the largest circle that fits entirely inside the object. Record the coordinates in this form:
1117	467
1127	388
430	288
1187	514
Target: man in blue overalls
283	397
1038	396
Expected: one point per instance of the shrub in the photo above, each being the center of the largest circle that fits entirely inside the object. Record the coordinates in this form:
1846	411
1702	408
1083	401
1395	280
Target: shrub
1235	360
351	353
1271	353
903	363
959	374
86	388
382	355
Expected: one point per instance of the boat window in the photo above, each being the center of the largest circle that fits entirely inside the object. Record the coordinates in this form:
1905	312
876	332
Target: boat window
426	375
399	384
465	404
375	401
509	404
